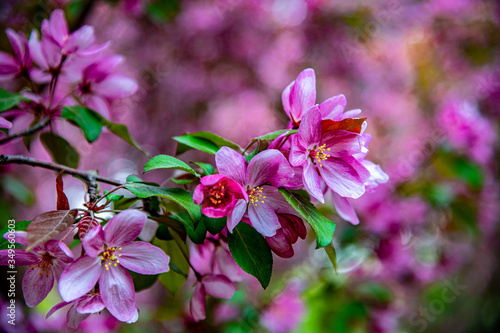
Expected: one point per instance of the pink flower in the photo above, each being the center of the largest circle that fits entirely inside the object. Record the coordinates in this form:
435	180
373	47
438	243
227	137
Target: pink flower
46	262
4	123
20	63
218	195
109	253
327	154
291	229
267	167
214	285
81	308
285	312
99	85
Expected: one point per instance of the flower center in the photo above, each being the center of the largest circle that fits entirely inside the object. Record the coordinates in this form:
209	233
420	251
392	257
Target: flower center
109	258
44	265
319	155
255	196
216	193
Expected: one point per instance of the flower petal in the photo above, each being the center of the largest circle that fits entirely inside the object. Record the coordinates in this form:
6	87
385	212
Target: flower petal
197	303
89	304
279	244
58	27
285	98
236	214
74	318
219	286
312	181
333	107
116	86
117	292
35	48
268	166
79	278
298	154
232	165
342	143
345	176
124	227
264	219
21	257
227	265
93	242
143	258
345	209
56	307
303	93
310	128
36	286
79	40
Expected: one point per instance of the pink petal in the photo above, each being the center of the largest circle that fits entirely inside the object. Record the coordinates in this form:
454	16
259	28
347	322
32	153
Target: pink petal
310	128
263	219
98	104
303	93
134	318
231	164
17	44
8	64
227	265
22	258
89	304
237	213
197	303
342	143
312	181
36	286
219	286
116	86
55	308
198	194
58	27
117	292
124	227
333	107
298	154
345	176
143	258
285	98
79	40
36	50
279	244
345	209
19	237
93	242
268	166
74	318
79	278
351	113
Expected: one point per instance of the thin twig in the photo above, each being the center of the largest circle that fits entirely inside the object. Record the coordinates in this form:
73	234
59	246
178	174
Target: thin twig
28	131
86	175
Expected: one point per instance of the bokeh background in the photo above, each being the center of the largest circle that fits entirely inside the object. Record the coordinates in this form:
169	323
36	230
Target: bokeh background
425	257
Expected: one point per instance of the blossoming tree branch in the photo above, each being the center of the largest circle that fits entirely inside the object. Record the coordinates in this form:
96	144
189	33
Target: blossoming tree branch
234	215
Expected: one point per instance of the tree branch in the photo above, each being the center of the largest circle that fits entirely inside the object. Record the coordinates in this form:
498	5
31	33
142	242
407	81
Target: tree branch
28	131
90	177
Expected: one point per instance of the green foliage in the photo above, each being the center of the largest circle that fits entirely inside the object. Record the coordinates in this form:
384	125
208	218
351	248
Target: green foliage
142	282
19	226
461	168
9	100
168	162
84	118
163	10
196	232
207	169
214	225
251	252
60	150
332	254
204	141
18	190
323	227
179	266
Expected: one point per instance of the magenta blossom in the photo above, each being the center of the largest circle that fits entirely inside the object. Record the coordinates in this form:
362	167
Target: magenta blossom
46	262
4	123
260	178
285	312
326	153
218	195
291	229
20	63
81	308
300	96
109	253
214	285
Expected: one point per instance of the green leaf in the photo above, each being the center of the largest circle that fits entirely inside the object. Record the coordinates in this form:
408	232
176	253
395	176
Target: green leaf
19	226
181	197
332	254
196	233
195	143
8	100
90	125
207	169
249	157
175	278
215	139
323	227
273	135
181	181
112	197
214	225
251	252
142	282
119	130
18	190
167	221
168	162
461	168
60	149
